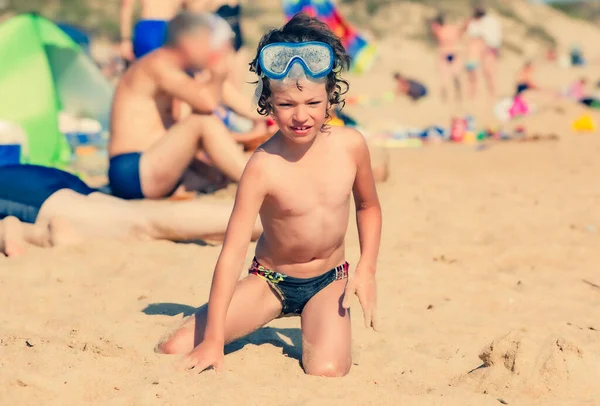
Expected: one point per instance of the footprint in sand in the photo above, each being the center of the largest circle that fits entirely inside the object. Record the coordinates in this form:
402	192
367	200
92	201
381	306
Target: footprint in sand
101	346
519	363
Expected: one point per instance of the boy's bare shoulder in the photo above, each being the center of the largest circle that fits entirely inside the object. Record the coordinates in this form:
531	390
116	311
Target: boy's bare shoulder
269	149
349	137
263	156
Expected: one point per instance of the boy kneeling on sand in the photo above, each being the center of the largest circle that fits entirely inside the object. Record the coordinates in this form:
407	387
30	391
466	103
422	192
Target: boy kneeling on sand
300	182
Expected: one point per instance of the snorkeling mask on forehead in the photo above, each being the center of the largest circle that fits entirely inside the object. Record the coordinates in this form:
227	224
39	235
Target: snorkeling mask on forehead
281	61
276	60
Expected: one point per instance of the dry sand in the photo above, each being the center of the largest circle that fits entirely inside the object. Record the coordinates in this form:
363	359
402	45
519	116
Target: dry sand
483	252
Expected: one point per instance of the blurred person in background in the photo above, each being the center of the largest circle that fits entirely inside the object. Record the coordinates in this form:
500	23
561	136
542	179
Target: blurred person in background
150	31
230	11
485	39
448	36
152	155
409	87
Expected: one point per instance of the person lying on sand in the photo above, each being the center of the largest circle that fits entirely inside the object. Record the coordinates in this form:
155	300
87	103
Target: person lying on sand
149	152
44	207
409	87
299	182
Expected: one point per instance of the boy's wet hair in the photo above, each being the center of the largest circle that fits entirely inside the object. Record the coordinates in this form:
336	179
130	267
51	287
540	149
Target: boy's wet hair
303	28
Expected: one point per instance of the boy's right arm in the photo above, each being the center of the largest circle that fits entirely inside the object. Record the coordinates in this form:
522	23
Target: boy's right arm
251	192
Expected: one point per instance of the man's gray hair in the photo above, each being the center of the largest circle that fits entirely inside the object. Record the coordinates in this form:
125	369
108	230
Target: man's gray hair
185	22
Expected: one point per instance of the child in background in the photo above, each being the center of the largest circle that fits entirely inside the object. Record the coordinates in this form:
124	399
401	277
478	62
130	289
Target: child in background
299	182
525	79
409	87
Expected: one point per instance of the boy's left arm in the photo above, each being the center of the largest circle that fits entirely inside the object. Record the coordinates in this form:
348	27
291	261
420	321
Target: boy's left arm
368	219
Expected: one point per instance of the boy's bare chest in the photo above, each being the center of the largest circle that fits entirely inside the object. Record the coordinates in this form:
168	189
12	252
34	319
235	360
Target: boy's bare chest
305	188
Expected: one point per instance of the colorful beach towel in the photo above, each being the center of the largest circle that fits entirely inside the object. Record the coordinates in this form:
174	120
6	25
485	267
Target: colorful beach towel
359	49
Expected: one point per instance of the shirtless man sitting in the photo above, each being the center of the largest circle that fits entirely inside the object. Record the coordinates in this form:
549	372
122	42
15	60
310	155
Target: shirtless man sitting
448	36
149	152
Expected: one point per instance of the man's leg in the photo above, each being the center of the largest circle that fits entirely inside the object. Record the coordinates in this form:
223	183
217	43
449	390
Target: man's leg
326	333
99	215
94	215
252	306
162	166
490	62
455	70
472	80
189	220
445	77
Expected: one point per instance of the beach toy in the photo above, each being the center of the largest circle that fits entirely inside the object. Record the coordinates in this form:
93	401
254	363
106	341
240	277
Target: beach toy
469	137
584	123
433	133
482	135
518	108
458	129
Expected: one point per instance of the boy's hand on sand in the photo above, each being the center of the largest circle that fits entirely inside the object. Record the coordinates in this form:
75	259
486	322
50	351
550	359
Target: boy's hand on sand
363	285
206	355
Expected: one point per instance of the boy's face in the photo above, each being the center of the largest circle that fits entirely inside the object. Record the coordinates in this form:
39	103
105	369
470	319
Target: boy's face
299	108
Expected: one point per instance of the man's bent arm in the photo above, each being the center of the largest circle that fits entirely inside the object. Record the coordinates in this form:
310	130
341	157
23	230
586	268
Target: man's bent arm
203	96
238	102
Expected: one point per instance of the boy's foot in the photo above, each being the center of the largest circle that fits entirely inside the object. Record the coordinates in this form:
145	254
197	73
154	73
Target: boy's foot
12	240
62	233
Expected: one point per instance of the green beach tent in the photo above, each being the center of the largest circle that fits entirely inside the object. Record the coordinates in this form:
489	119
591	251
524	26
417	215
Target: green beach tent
43	72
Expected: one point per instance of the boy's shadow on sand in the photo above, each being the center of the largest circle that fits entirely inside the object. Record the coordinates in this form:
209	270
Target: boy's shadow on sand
264	335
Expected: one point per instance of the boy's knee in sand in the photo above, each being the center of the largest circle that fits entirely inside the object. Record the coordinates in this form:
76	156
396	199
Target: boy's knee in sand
331	369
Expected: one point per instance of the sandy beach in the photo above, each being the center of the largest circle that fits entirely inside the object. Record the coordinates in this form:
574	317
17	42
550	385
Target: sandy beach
488	277
494	247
